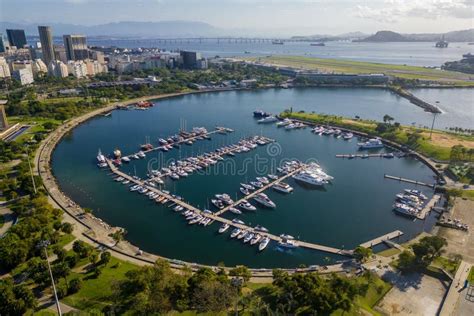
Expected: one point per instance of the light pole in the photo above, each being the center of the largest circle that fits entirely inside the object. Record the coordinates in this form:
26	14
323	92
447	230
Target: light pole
31	170
432	124
44	244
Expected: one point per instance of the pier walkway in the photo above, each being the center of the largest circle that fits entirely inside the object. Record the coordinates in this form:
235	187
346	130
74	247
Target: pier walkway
184	140
427	208
260	190
409	181
381	239
381	155
217	218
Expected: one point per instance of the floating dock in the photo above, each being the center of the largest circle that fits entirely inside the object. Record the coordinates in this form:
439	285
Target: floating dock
382	239
432	186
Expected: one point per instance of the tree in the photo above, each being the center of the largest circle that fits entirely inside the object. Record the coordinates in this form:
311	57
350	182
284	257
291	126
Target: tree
241	271
81	248
67	228
74	286
424	252
105	258
93	256
387	118
15	299
361	254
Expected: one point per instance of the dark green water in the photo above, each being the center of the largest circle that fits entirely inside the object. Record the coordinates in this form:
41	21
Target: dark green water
356	207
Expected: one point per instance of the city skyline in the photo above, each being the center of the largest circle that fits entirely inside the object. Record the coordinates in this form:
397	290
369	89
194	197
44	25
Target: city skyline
261	17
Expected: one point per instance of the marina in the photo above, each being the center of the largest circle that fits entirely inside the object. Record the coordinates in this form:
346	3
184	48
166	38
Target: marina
316	214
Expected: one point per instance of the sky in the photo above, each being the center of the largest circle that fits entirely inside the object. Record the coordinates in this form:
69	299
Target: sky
295	17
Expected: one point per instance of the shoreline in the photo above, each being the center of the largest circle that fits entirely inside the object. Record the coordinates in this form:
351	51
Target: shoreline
95	231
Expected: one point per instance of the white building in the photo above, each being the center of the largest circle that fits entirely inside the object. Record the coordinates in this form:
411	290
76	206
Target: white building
201	63
39	66
4	68
25	76
58	69
77	68
94	67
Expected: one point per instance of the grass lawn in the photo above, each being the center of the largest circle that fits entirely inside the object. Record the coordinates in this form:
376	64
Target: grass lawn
468	194
470	278
446	264
95	292
376	291
438	147
44	312
389	252
350	66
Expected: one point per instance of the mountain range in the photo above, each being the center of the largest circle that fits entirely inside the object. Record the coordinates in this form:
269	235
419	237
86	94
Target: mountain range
175	29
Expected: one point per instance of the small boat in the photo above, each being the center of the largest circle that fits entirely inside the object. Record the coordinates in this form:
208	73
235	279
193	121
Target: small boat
273	176
282	187
243	234
174	176
287	244
245	205
260	229
263	199
248	237
256	239
235	232
268	119
141	154
247	186
126	181
100	157
264	243
284	236
263	180
223	228
217	203
238	221
256	184
244	191
235	211
125	159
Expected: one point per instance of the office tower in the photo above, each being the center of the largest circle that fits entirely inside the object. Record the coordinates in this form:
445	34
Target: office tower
2	43
58	69
76	47
16	38
60	53
190	59
46	39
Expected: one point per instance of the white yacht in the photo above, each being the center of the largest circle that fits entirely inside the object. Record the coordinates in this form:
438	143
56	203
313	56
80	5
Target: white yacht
287	243
248	237
282	187
404	210
284	122
247	206
273	176
243	234
223	228
244	191
263	180
348	136
309	178
126	159
285	236
235	211
256	184
238	221
256	239
247	186
268	119
416	193
141	154
263	199
235	232
100	157
371	143
264	243
260	229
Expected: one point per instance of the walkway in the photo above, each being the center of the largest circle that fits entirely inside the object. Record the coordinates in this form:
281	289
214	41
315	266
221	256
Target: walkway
456	290
216	216
427	208
381	239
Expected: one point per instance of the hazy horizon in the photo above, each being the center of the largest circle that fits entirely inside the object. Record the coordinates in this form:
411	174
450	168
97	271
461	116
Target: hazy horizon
259	17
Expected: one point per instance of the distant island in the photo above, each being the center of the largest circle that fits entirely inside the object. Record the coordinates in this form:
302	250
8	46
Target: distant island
390	36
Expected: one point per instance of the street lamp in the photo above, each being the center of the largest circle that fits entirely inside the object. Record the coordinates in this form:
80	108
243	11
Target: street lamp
44	244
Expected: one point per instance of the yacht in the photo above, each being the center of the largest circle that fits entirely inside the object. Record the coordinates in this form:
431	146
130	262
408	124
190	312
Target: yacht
243	234
162	141
244	191
284	122
263	180
217	203
416	193
174	176
256	184
404	210
287	243
273	176
100	157
285	236
348	136
238	221
141	154
247	186
259	113
182	173
126	181
142	190
309	178
102	164
268	119
135	188
235	211
263	199
260	229
388	155
248	237
256	239
235	232
371	144
223	228
264	243
126	159
290	126
283	187
245	205
225	198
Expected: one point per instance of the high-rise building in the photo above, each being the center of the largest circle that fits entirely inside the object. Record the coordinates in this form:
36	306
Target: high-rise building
58	69
24	75
2	43
46	39
39	66
60	53
76	47
16	38
77	68
4	69
190	59
3	118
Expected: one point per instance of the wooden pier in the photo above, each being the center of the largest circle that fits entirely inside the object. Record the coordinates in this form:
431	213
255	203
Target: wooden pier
427	208
409	181
381	239
260	190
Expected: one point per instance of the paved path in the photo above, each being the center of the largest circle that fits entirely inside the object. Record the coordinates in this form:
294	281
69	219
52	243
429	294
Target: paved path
9	218
456	291
381	239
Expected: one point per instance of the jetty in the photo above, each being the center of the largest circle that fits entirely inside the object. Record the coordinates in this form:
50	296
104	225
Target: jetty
428	207
432	186
380	155
382	239
415	100
260	190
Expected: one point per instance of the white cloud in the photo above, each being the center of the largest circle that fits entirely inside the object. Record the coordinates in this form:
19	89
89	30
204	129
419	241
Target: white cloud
392	11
